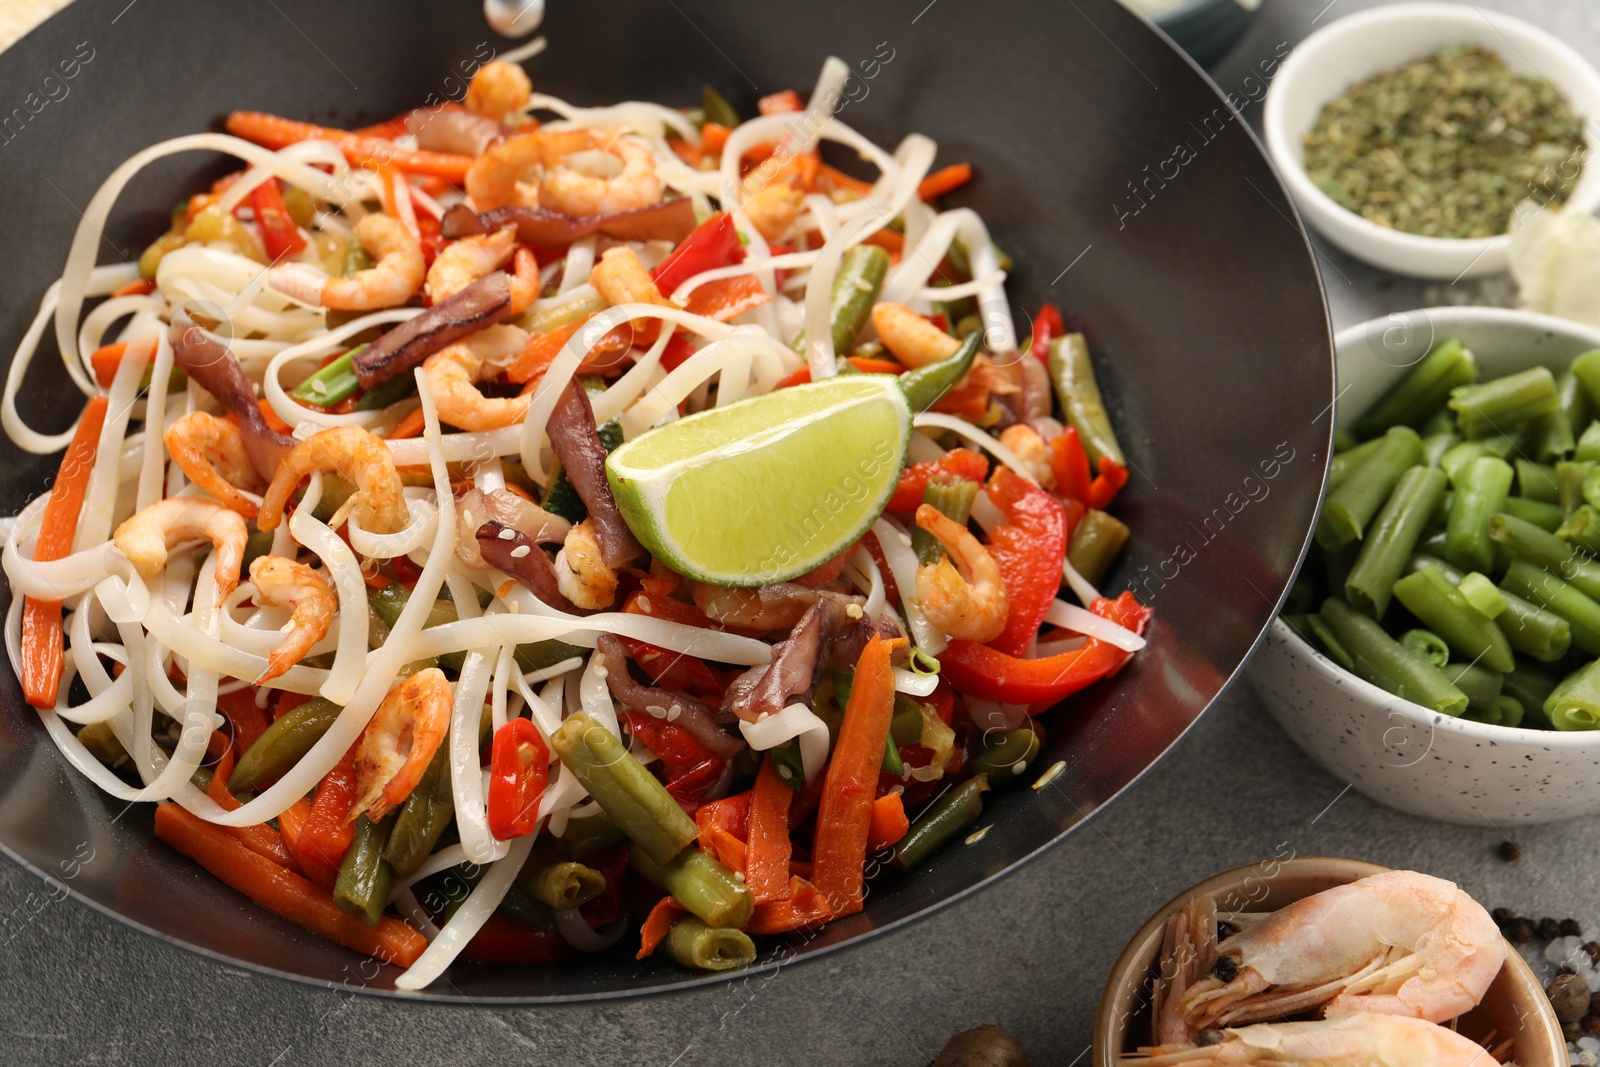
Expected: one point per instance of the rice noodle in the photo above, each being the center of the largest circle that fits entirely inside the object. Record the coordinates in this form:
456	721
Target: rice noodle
468	919
896	546
1077	619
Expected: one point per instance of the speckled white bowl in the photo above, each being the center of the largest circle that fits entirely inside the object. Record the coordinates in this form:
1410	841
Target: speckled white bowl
1394	751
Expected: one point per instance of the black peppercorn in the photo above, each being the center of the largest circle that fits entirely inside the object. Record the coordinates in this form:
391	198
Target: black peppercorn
1590	1023
1520	930
1510	851
1571	928
1501	916
1549	929
1569	996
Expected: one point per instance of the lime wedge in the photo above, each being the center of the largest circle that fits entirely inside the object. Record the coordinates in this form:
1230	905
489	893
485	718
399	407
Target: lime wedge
768	488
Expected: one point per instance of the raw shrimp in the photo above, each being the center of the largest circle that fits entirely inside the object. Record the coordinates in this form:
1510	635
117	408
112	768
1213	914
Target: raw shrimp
1188	952
1399	942
463	262
1026	444
966	599
361	458
147	536
285	583
581	571
453	372
771	607
914	340
621	278
388	283
399	742
1365	1039
596	173
499	89
211	452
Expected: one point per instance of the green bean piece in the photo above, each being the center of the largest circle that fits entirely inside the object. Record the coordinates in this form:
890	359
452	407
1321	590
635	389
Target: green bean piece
332	383
1344	463
386	393
1443	609
952	497
1480	491
1588	449
954	811
1391	539
1548	551
1005	757
1572	477
335	491
1461	455
1095	544
520	905
1481	684
423	818
1530	687
1575	703
365	877
1327	643
1426	644
258	544
709	948
905	728
717	108
1434	446
1582	529
1501	711
1409	676
1574	399
102	742
700	883
1535	481
590	834
1440	422
924	386
630	794
1551	436
1505	404
855	290
1302	594
1581	612
1586	369
1482	594
282	744
391	600
1072	373
1343	439
1350	507
1423	389
1543	515
558	882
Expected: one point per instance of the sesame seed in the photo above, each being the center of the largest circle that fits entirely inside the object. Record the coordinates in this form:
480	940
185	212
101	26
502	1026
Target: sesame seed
978	834
1019	766
1051	775
507	534
644	604
673	712
520	551
854	611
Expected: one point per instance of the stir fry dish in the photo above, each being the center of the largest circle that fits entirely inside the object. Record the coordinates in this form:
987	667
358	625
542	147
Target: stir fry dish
517	525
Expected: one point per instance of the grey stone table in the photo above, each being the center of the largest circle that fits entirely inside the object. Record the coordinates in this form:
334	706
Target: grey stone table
1030	954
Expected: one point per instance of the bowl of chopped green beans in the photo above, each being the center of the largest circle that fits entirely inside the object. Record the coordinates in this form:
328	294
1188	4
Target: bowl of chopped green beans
1409	134
1440	649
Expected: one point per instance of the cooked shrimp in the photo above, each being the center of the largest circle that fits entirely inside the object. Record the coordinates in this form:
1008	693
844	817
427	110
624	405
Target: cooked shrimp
599	173
388	283
399	742
497	177
1399	942
147	536
358	456
771	607
498	90
453	371
773	208
913	339
1026	444
211	452
1365	1039
475	507
463	262
284	583
966	599
581	572
621	278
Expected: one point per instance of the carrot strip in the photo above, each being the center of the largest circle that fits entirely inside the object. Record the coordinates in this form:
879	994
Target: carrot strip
876	366
410	426
314	861
723	847
541	351
283	892
804	906
844	813
713	135
766	859
273	419
105	360
658	924
142	287
943	181
726	298
272	131
42	650
889	823
843	181
780	102
729	813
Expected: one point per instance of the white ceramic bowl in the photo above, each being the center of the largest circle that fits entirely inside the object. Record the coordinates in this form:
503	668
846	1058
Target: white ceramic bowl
1394	751
1354	48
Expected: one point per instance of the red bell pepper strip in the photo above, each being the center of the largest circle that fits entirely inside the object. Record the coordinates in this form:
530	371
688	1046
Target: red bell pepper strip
316	865
980	671
688	788
1104	489
676	670
504	940
780	103
1070	463
714	243
957	463
1028	548
279	233
247	721
519	769
889	823
658	924
676	747
726	298
1046	328
730	813
326	829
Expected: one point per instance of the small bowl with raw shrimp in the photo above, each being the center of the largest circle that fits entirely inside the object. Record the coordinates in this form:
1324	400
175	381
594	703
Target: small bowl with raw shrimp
1512	1009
